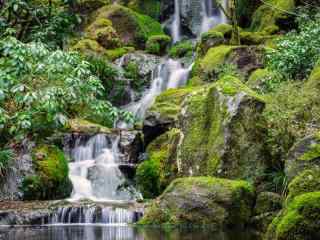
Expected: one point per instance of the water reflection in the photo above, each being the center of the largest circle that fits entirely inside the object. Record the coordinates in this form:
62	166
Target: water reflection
114	233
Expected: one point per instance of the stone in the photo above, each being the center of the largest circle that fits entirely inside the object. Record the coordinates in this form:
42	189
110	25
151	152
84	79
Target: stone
219	203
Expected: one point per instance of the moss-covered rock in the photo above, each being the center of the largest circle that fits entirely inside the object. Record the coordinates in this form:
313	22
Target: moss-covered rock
51	180
223	134
200	201
155	174
182	49
306	181
300	220
304	155
113	54
209	40
268	17
147	7
158	44
89	47
84	126
246	59
267	202
133	28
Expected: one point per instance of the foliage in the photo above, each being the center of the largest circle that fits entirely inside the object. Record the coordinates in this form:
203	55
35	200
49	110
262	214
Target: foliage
157	44
296	52
223	70
40	89
50	22
6	155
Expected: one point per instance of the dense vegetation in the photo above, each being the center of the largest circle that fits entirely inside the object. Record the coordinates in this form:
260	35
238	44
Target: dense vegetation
245	127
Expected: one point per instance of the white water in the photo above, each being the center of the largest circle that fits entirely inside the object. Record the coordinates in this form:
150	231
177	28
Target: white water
95	172
176	24
209	17
170	74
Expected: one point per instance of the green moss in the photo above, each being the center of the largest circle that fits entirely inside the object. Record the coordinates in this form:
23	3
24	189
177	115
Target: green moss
181	49
113	54
132	27
306	181
312	153
265	18
225	29
254	38
299	221
174	206
84	126
168	103
89	47
314	79
51	181
155	174
158	44
214	57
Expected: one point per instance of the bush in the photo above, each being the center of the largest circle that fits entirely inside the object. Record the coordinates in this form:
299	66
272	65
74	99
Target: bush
44	88
6	155
297	52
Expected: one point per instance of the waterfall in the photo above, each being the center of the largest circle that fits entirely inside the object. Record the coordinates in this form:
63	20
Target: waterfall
95	172
175	27
210	15
169	74
92	214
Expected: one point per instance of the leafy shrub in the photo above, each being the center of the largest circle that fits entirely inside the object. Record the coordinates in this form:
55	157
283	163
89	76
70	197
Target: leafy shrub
40	89
297	52
47	21
158	44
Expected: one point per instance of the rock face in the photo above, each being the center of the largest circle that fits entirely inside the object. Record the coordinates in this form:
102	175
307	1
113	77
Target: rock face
10	186
303	156
219	203
222	132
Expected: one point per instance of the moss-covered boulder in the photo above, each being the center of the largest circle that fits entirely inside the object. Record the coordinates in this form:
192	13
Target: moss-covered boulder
209	40
220	203
133	28
154	174
83	126
89	47
223	131
158	44
147	7
182	49
51	179
246	59
304	155
306	181
272	15
300	220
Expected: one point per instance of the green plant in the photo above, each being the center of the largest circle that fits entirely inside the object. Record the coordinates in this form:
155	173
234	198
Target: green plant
41	89
6	156
297	52
181	49
227	69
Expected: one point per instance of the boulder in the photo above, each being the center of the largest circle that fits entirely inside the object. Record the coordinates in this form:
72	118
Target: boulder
304	155
220	203
299	220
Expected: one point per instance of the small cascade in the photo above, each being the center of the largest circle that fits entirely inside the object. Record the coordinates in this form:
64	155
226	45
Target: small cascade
169	74
92	214
176	23
212	16
95	172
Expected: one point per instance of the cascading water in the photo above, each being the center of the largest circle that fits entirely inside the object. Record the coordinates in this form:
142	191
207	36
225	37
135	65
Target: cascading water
176	23
95	172
169	74
212	16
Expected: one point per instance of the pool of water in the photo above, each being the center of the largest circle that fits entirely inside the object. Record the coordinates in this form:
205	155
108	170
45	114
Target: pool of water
103	232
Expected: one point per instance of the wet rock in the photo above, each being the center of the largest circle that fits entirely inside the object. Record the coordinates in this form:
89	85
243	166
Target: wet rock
220	203
304	155
22	166
131	146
